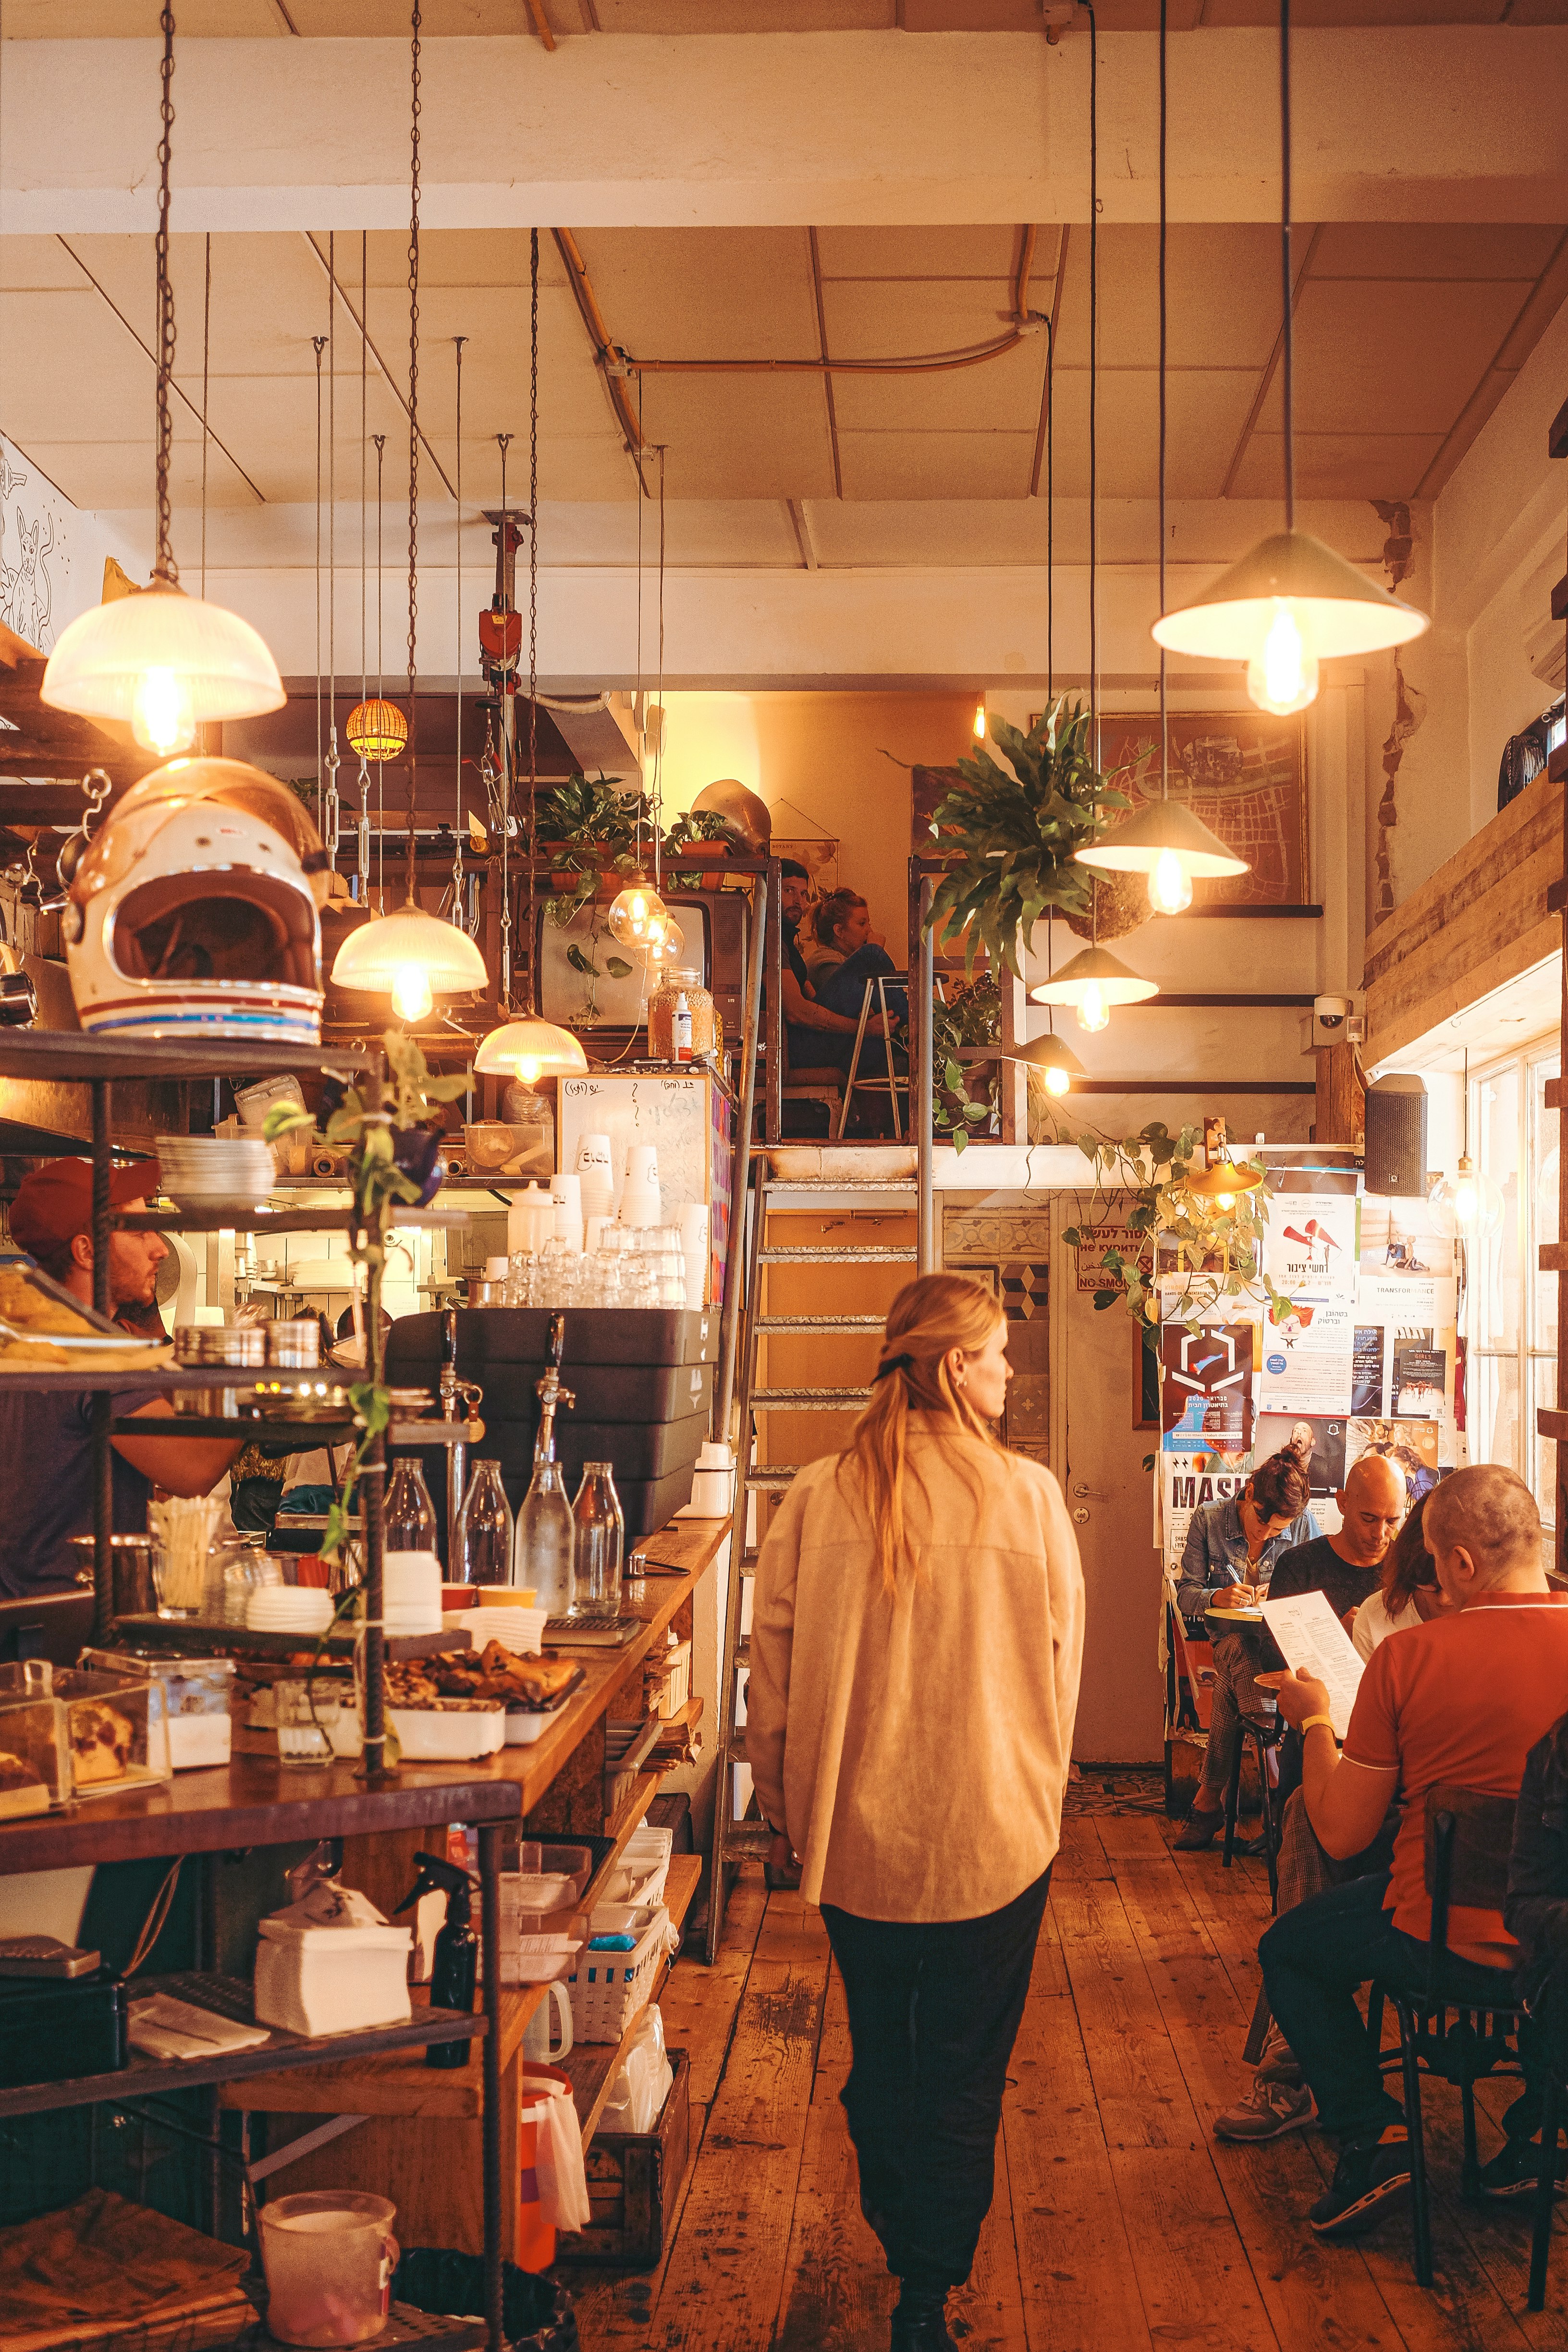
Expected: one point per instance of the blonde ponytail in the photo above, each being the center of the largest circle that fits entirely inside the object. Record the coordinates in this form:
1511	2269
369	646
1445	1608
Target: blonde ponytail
929	1318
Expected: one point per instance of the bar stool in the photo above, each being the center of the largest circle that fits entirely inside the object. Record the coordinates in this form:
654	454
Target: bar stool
1264	1732
890	1083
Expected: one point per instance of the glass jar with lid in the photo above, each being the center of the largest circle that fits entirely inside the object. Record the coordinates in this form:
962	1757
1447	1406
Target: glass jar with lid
683	1023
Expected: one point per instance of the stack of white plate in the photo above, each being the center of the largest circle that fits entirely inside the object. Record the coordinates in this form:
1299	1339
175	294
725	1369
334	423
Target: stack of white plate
209	1173
520	1630
289	1608
411	1592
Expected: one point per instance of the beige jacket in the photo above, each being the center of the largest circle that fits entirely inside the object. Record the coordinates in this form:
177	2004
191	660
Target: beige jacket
917	1750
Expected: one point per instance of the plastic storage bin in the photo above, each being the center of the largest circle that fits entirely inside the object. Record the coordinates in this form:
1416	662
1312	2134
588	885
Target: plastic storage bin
608	1989
35	1741
196	1694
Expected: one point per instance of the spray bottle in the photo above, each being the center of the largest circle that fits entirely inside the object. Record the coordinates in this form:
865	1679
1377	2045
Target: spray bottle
456	1971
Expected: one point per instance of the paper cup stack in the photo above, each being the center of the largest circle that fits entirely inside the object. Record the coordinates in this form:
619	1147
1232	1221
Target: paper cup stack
520	1630
595	1175
411	1592
566	1191
289	1608
639	1196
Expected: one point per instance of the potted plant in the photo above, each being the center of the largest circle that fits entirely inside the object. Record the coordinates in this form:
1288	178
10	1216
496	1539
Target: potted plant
1012	833
964	1094
598	827
695	828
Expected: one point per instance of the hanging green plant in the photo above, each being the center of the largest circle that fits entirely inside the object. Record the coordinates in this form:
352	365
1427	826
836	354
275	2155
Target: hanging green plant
1216	1252
1013	833
599	828
964	1094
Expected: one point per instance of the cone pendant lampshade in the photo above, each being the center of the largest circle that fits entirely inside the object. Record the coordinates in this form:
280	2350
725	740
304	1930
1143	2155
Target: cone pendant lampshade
1091	984
1160	828
163	661
1058	1061
529	1049
411	957
1334	608
1222	1180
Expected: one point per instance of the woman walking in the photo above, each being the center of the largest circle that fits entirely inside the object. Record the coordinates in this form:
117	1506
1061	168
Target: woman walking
916	1642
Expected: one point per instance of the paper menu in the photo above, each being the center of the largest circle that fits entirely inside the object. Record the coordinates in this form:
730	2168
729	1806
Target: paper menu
1312	1641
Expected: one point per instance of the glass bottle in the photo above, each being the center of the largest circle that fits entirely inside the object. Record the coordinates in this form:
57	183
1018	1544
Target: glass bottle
544	1545
482	1547
601	1541
409	1515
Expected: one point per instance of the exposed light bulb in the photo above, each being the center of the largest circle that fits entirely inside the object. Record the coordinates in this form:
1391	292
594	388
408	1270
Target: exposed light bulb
528	1068
1282	676
635	915
161	718
1225	1199
665	944
1093	1011
1169	885
1467	1200
1470	1204
980	722
411	997
1056	1080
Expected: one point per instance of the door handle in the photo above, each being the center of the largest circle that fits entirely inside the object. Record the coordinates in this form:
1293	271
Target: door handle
1080	1518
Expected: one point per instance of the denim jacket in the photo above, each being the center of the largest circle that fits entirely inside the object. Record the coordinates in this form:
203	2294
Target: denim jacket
1216	1553
1536	1910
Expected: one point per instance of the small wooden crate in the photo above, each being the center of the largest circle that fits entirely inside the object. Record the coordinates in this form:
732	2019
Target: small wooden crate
634	2184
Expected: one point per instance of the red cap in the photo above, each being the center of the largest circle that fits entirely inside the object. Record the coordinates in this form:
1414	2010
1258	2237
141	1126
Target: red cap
54	1202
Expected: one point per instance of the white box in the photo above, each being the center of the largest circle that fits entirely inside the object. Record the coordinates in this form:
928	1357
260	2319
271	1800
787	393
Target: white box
316	1980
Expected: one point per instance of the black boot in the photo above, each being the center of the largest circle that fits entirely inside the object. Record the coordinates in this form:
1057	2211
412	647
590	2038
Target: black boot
920	2323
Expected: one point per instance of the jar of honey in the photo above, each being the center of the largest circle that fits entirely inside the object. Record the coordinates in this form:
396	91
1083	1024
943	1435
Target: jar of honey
683	1023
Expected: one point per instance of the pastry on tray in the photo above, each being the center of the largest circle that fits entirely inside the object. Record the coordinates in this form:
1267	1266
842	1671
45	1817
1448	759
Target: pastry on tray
102	1741
494	1677
34	1311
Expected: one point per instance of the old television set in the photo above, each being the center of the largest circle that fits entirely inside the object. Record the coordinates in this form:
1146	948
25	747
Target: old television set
578	988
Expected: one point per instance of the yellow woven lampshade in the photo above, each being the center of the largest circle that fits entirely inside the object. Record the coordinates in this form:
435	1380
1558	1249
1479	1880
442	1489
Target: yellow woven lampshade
376	730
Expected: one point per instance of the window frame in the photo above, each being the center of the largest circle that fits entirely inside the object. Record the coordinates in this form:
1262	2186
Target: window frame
1525	1065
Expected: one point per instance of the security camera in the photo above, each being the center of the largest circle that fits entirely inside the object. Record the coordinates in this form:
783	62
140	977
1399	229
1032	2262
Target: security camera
1329	1011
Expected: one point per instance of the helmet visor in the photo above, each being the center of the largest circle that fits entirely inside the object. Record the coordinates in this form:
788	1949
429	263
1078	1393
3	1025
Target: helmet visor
215	927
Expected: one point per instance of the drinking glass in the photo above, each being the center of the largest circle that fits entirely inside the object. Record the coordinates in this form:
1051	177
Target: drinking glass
304	1721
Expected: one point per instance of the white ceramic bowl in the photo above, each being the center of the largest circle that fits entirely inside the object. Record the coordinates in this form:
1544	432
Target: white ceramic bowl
430	1736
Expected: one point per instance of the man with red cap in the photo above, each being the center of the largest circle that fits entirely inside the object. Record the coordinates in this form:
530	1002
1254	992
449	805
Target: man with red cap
46	1434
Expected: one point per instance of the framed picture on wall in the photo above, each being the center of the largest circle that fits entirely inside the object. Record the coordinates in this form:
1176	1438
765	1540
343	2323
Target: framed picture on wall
1244	773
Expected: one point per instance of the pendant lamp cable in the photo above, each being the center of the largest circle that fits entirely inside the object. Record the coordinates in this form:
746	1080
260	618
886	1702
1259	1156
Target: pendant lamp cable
318	344
1288	287
458	341
508	747
640	708
1164	96
380	439
206	358
413	430
362	839
1051	512
164	568
533	606
1093	417
330	827
656	813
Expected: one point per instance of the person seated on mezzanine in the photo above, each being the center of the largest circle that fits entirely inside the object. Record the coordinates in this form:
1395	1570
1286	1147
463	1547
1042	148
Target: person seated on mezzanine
1462	1699
844	929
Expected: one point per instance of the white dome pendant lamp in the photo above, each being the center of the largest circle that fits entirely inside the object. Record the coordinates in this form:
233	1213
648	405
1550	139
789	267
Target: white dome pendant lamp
158	658
411	956
1293	603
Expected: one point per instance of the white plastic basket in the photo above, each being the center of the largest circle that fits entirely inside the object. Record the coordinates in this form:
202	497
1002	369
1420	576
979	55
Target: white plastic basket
641	1876
607	1988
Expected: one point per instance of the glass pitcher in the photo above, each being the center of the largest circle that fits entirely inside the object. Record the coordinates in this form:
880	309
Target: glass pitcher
409	1520
481	1545
601	1541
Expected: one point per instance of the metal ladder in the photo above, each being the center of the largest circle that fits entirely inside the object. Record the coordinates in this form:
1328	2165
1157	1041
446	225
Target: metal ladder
736	1840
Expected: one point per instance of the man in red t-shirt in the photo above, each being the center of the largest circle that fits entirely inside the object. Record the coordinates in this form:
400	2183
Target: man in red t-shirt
1460	1700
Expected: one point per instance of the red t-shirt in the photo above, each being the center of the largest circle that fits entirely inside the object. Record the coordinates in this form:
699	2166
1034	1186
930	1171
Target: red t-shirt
1461	1700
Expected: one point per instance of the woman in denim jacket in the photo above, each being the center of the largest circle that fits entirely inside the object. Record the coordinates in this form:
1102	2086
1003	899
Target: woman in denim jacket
1231	1549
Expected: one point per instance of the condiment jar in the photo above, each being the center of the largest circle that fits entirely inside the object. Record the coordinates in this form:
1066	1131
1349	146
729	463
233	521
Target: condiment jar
683	1023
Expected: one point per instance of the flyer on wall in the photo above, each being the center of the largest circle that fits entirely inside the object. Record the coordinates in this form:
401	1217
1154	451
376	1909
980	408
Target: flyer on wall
1317	1440
1308	1358
1205	1388
1186	1487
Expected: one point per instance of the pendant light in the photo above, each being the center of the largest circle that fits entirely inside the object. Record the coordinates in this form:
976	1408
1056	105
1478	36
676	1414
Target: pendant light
1293	603
164	661
524	1046
1222	1180
1057	1062
410	955
1165	840
1091	984
1470	1205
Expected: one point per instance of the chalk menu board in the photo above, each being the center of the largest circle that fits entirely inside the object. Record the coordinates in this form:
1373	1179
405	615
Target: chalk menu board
687	1120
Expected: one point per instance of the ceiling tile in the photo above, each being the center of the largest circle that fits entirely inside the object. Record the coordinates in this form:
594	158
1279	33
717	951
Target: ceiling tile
38	263
1206	413
667	17
572	467
1433	249
126	20
934	252
867	320
88	375
741	436
1223	289
713	293
936	465
1405	358
1338	466
447	256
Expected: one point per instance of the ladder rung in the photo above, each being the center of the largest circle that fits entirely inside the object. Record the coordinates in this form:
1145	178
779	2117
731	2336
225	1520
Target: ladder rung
774	1478
751	1839
871	1253
810	1400
819	1323
737	1749
741	1654
841	1184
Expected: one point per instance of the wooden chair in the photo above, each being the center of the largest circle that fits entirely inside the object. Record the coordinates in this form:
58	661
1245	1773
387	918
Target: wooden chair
1264	1733
1552	2020
1469	1835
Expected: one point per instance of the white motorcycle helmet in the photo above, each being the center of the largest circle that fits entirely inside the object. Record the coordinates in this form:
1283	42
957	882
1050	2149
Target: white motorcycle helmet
194	913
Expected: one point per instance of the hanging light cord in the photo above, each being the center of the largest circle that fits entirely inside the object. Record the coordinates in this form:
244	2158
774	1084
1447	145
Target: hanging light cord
329	828
640	708
503	441
318	344
1164	720
1094	388
1287	288
412	429
362	834
207	355
657	815
533	606
1050	513
458	341
380	439
164	568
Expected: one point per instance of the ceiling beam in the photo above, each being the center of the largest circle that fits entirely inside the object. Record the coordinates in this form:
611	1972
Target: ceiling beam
786	129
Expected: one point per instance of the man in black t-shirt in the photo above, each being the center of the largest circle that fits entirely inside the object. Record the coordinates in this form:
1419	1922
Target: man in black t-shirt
1345	1565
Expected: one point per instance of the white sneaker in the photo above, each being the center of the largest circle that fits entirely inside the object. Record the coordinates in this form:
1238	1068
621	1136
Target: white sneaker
1269	2111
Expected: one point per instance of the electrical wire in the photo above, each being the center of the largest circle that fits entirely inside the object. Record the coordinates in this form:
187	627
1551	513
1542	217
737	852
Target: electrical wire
1289	287
380	439
157	1918
318	344
206	355
415	23
1094	392
458	341
1164	110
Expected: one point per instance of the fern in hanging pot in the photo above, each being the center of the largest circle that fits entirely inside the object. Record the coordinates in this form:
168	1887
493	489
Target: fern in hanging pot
1012	833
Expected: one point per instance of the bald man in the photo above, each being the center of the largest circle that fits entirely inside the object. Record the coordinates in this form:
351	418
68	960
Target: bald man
1461	1700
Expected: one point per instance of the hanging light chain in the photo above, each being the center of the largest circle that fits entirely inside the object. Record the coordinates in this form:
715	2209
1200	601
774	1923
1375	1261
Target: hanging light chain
532	612
1164	109
458	341
164	567
413	428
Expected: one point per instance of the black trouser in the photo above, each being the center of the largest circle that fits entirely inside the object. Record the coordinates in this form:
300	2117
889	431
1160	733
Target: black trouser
934	2013
1313	1959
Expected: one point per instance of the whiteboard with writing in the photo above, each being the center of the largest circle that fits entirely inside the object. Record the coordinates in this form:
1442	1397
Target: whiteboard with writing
674	1114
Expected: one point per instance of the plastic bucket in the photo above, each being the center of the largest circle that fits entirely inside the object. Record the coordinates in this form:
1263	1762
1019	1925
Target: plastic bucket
328	2255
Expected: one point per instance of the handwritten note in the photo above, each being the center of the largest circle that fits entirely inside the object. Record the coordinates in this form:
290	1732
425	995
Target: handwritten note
1312	1641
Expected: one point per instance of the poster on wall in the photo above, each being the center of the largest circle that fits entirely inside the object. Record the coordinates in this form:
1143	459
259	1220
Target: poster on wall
1412	1444
1406	1345
1317	1439
1186	1488
1403	1238
1310	1255
1244	773
1205	1388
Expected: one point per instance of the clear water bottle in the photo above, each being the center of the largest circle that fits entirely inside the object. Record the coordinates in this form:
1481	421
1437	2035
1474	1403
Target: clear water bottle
544	1546
409	1514
482	1547
601	1541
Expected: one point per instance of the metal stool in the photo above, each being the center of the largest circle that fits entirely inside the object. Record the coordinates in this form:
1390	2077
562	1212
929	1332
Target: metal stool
1264	1733
891	1082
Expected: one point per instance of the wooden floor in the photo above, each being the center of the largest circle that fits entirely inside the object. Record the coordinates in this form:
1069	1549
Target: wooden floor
1120	2224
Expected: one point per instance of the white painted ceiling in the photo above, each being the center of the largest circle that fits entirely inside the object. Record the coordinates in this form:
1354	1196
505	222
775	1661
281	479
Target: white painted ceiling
348	19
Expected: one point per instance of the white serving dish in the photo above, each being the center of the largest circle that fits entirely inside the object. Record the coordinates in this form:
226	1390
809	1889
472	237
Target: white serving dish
525	1724
520	1630
316	1980
437	1736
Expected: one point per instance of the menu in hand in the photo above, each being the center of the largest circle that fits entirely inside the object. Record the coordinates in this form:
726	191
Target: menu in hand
1313	1641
